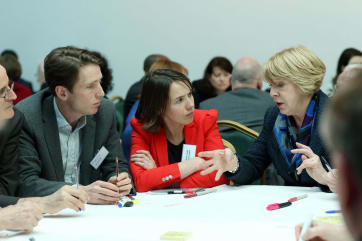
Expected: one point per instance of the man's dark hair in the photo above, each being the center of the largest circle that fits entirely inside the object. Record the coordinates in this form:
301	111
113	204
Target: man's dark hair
107	78
155	97
343	128
220	62
61	66
12	66
151	59
9	52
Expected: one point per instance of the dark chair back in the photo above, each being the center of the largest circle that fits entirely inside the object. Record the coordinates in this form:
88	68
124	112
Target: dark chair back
241	138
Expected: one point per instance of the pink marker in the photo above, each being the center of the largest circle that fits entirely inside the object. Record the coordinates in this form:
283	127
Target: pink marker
297	198
275	206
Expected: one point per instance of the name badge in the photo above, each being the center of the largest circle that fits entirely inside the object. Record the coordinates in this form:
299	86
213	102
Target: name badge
98	159
188	151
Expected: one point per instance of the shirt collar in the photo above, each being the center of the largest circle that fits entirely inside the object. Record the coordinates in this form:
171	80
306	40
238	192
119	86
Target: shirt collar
62	122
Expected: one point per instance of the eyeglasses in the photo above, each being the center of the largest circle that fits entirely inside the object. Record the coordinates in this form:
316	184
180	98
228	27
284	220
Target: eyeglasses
7	93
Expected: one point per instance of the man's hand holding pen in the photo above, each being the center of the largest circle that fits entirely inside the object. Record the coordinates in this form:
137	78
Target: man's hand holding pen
109	192
101	192
65	197
123	182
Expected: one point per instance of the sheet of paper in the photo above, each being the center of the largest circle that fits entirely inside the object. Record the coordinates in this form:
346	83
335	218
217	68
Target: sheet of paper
245	207
171	235
332	219
8	233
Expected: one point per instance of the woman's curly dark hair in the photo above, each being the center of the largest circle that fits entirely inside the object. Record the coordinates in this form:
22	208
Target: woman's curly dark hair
107	84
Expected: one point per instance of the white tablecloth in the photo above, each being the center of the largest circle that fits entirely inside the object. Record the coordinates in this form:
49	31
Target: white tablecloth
232	213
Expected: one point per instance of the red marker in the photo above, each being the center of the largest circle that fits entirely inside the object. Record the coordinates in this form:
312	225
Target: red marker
275	206
200	193
297	198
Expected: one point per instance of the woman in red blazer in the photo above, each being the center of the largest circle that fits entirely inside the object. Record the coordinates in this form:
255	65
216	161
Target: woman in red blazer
165	120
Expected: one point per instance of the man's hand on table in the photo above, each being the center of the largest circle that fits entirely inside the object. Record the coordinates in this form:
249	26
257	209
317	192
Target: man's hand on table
22	216
65	197
101	192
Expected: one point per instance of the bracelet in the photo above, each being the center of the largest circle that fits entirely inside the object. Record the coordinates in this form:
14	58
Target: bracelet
237	164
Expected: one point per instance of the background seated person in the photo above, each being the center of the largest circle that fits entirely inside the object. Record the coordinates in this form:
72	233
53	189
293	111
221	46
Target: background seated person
216	80
13	70
165	120
348	56
290	136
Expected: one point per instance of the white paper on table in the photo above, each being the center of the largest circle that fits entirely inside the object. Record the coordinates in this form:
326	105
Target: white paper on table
9	233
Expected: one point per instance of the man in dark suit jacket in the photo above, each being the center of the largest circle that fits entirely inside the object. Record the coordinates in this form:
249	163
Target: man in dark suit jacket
23	213
135	90
70	124
9	139
246	103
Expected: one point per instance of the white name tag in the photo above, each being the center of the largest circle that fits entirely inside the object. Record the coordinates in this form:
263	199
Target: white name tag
98	159
188	151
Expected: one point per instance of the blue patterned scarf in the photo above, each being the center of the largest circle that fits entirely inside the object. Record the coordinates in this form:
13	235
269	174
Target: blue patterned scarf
286	135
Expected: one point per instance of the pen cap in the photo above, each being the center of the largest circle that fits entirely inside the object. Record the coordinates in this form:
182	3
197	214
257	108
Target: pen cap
190	195
128	204
271	208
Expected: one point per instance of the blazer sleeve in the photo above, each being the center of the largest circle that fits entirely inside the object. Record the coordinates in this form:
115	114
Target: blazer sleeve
6	201
146	180
30	167
253	164
9	155
212	142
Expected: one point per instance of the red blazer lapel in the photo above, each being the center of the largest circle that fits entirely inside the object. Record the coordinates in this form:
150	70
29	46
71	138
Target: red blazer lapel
160	144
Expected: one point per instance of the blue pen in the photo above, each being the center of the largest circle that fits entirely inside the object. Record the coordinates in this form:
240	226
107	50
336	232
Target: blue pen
334	211
76	179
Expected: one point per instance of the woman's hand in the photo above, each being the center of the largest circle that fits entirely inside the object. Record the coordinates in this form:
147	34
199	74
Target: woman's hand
221	160
143	159
332	181
311	163
323	231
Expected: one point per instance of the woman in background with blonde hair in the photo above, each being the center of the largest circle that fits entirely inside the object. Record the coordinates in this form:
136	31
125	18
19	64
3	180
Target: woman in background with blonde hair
290	136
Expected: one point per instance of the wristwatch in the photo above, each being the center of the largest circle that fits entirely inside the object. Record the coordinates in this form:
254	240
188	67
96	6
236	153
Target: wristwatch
237	164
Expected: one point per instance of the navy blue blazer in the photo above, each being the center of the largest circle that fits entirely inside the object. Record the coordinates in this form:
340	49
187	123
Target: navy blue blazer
263	151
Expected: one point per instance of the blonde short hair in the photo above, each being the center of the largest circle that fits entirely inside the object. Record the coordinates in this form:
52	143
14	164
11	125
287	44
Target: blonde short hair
299	65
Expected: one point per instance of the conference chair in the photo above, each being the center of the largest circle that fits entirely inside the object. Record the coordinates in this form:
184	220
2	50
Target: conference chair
239	139
119	103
